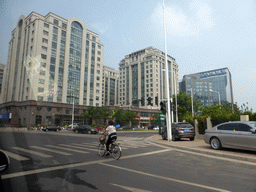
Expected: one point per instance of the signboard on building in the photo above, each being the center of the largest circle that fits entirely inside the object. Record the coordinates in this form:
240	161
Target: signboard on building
6	116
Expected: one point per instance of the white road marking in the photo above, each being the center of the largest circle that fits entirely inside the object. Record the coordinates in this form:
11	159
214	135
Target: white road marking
51	150
165	178
130	188
32	152
15	156
11	175
63	148
84	148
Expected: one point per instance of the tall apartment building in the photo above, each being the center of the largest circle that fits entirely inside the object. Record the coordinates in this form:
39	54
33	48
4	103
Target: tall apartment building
209	87
2	68
110	86
143	75
54	59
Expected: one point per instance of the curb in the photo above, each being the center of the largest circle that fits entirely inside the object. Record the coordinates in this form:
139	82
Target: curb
237	155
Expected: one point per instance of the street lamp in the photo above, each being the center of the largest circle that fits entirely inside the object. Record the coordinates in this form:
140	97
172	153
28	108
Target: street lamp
192	101
174	74
216	92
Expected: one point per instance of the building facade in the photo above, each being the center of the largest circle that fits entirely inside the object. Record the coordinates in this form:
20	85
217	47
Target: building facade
143	76
2	68
110	86
54	59
209	87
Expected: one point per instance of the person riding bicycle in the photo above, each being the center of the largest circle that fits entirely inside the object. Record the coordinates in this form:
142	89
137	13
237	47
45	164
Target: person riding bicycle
111	131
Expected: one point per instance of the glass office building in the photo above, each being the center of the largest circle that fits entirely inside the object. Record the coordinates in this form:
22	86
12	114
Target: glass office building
209	87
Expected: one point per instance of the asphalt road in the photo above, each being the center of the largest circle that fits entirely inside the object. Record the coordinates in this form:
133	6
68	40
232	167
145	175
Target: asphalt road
144	166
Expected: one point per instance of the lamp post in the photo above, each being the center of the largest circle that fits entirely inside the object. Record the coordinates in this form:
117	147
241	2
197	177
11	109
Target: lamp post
216	92
174	74
169	125
192	101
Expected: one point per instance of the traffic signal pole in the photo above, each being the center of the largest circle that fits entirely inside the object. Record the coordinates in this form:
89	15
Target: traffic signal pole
169	125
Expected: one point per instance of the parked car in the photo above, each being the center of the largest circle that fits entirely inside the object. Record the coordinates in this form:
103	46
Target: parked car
52	128
74	125
85	129
151	127
180	130
156	128
123	128
98	128
236	134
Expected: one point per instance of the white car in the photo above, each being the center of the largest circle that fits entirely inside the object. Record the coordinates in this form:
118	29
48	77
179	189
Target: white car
74	125
156	128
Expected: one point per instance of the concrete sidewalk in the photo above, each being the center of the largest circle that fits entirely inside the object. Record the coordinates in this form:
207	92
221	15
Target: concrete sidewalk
199	146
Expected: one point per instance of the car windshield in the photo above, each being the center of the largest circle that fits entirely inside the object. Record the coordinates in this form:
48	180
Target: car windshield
253	124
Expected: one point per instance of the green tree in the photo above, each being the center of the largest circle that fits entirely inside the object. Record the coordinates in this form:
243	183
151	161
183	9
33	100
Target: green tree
184	105
130	116
155	119
105	113
92	114
119	116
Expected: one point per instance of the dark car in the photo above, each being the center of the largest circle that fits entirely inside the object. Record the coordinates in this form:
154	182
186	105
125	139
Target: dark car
151	127
52	128
123	128
85	129
180	130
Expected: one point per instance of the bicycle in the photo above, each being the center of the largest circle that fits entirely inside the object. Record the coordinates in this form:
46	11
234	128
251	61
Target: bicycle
114	148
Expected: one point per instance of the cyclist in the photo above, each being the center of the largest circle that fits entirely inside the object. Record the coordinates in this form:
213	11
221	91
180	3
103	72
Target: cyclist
111	131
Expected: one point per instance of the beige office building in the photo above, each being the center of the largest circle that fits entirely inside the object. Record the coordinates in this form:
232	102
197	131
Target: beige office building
143	75
110	86
55	60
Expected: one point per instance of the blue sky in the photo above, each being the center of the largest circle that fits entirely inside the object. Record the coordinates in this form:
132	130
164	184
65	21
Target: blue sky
201	35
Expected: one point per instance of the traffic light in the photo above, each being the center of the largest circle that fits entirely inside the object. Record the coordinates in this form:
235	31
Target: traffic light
149	101
142	101
156	100
163	107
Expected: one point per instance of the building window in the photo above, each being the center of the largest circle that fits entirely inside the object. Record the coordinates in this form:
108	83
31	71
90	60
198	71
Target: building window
87	36
45	32
93	38
46	25
45	40
55	22
99	53
64	25
98	71
43	56
41	81
99	46
42	73
98	59
40	89
44	48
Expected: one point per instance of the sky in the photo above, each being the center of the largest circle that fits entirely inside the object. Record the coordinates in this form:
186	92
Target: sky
201	35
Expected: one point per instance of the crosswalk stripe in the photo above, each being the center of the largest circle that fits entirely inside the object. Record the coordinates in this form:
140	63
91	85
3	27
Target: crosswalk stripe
54	151
32	152
15	156
74	150
84	148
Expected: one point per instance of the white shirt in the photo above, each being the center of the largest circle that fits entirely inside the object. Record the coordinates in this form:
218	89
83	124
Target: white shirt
111	129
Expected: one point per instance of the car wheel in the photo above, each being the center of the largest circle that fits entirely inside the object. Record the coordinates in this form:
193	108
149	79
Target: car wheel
163	136
89	132
57	130
215	143
192	138
174	138
46	129
76	131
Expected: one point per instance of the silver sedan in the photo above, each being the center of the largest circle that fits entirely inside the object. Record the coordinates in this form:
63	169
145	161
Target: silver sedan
237	134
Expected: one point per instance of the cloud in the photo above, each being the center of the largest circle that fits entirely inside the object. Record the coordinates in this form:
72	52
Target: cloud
181	22
101	27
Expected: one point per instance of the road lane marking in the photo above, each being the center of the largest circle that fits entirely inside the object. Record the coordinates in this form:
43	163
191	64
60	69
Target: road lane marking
165	178
130	188
32	152
11	175
51	150
63	148
15	156
84	148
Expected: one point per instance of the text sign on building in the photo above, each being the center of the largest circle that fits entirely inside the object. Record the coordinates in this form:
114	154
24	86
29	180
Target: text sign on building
6	116
212	73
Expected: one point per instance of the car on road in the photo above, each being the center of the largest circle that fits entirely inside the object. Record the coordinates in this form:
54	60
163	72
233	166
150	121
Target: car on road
180	130
74	125
151	127
85	129
52	128
123	128
236	134
156	128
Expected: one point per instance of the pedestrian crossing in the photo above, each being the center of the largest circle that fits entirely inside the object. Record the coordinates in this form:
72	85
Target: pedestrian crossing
22	154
